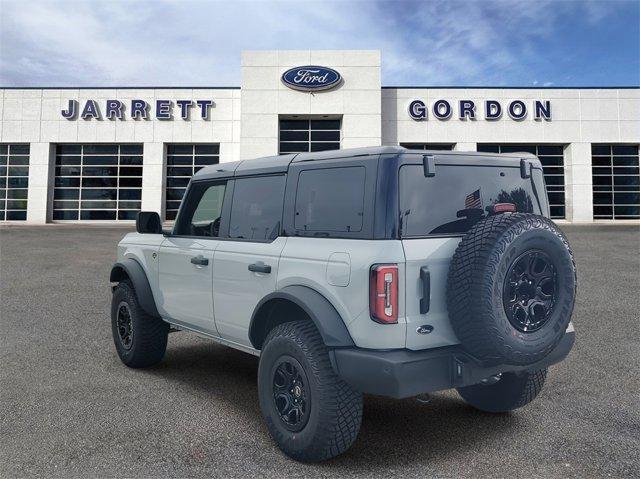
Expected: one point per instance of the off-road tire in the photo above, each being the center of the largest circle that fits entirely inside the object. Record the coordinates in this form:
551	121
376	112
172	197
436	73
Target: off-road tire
149	339
335	410
475	288
512	391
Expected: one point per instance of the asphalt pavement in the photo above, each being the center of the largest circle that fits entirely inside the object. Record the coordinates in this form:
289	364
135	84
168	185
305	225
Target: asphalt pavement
71	409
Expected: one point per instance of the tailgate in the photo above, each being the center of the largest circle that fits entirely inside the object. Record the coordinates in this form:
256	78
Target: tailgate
437	208
434	254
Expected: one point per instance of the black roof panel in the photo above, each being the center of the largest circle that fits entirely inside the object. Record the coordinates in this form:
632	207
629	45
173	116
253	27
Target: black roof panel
280	163
349	153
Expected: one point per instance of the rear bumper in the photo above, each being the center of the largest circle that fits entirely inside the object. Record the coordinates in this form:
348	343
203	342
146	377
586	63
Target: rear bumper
403	373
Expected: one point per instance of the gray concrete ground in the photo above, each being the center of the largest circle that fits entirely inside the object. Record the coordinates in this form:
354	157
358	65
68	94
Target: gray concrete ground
71	409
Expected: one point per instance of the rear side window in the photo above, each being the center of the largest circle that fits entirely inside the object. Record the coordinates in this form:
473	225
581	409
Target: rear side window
453	200
256	210
330	199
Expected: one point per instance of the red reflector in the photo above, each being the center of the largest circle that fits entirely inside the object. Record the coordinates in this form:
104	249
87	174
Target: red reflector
383	290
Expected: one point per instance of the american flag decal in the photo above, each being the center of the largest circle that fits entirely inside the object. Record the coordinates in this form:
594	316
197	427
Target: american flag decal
472	200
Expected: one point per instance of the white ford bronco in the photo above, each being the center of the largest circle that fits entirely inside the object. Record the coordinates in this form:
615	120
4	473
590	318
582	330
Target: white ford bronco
378	270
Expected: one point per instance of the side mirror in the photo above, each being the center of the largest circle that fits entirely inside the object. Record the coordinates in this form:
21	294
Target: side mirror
148	222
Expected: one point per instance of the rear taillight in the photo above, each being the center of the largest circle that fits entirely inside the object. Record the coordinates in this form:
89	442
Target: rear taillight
383	290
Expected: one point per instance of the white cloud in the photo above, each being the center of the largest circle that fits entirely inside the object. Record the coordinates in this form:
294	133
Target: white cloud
193	43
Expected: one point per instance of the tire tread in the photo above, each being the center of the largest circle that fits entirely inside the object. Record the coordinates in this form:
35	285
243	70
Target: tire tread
513	391
341	405
470	282
150	332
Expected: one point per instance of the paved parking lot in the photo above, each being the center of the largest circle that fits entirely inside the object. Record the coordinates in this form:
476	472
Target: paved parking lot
71	409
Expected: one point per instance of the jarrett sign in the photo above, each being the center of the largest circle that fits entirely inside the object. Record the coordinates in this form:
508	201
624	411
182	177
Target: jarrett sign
137	109
490	110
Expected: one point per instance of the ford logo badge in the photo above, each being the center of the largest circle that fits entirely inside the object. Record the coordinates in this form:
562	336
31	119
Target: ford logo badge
311	78
424	329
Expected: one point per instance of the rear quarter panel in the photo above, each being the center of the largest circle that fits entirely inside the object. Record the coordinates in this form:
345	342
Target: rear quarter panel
339	270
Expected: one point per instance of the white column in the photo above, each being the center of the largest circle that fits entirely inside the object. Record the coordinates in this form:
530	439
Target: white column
40	195
578	183
465	147
153	178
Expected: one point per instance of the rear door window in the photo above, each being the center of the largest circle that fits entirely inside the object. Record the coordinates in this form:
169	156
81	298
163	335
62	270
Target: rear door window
330	199
256	210
455	199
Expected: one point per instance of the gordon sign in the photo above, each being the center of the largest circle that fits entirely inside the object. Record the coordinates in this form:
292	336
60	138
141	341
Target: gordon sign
492	109
311	78
137	109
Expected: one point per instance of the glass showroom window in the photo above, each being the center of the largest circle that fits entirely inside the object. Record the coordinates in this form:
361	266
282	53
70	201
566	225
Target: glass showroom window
429	146
298	136
552	159
616	182
14	182
97	182
182	162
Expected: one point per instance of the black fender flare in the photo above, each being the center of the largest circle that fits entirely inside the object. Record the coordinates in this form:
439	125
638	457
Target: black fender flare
325	317
130	268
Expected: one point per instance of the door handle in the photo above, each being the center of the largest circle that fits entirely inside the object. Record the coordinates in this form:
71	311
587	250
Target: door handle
260	268
200	260
425	302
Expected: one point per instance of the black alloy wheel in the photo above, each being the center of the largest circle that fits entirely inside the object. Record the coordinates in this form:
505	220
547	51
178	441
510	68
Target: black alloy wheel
140	338
530	289
291	394
125	325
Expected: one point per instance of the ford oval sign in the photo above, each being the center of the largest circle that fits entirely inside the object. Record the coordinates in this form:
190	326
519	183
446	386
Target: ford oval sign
311	78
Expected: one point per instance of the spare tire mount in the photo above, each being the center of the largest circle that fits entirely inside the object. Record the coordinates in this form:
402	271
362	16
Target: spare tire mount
511	289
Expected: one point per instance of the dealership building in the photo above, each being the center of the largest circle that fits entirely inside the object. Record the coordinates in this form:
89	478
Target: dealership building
102	154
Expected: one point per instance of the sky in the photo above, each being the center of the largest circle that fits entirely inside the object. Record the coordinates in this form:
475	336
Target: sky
429	43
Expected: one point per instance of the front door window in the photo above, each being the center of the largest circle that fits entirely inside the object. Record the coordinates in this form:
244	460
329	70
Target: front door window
202	212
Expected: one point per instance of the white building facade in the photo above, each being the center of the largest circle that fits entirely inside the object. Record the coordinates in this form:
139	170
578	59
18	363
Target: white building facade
101	155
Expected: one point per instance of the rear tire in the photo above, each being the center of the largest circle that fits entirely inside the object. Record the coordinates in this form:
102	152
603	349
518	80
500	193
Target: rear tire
140	339
512	391
310	412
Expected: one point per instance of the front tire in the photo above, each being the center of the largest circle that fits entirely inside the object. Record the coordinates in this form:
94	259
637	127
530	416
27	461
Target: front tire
511	392
310	412
140	339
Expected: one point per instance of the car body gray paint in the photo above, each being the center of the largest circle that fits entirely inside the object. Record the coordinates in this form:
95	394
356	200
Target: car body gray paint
340	313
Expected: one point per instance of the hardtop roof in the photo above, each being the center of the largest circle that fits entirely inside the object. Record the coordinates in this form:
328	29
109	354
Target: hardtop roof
280	163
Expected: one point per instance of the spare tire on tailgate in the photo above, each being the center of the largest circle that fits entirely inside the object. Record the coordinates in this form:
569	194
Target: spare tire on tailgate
511	288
